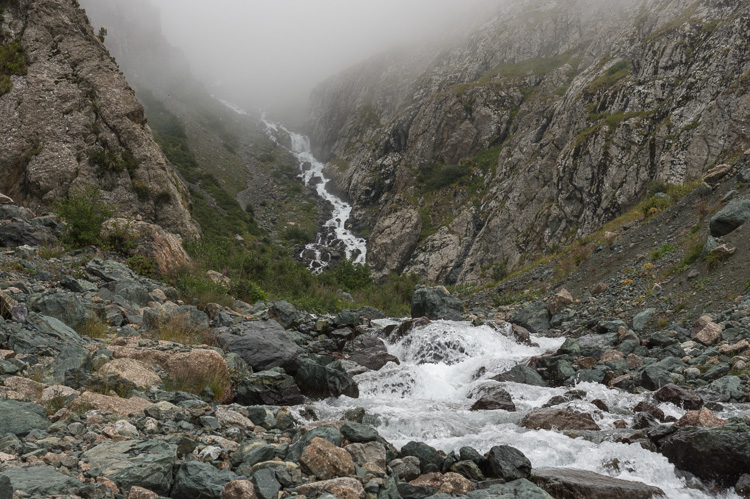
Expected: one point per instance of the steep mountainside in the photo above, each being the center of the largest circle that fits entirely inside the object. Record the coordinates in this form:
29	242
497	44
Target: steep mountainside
69	120
550	120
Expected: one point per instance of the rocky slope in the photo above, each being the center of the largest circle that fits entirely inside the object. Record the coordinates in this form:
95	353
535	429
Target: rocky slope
545	123
72	121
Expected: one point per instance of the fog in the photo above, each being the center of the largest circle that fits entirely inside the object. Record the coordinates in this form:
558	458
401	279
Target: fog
271	53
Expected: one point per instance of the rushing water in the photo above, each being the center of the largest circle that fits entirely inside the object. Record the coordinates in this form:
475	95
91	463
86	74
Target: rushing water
444	368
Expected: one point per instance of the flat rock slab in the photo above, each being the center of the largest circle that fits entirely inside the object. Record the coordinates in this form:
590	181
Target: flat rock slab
41	481
262	344
564	483
19	418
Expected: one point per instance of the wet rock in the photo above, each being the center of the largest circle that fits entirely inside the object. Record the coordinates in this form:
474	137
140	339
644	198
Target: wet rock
548	419
679	396
721	453
733	215
507	463
536	316
268	388
20	418
436	303
565	483
429	459
262	344
522	374
742	487
196	479
703	417
41	481
369	351
325	460
649	409
495	399
319	381
357	432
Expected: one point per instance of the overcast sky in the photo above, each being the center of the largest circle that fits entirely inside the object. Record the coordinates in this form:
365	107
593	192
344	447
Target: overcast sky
278	49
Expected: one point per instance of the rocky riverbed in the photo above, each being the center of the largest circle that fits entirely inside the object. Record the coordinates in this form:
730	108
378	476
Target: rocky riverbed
540	399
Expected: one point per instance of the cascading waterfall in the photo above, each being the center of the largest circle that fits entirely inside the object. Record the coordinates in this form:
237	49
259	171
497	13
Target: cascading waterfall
446	366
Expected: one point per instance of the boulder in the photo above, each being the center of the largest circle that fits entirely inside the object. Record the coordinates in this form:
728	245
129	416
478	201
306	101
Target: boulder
406	468
349	317
721	453
325	460
507	463
116	405
548	419
516	489
239	489
285	314
187	316
536	316
370	452
262	344
559	300
706	331
358	432
369	351
680	396
429	459
495	399
71	309
641	319
449	483
24	233
436	303
319	381
147	464
19	418
653	377
522	374
42	481
348	488
326	432
704	417
265	483
566	483
268	388
734	214
196	479
717	173
132	370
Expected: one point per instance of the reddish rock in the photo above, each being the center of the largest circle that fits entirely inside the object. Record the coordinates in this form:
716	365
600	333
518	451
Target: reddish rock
141	493
679	396
706	331
238	489
324	460
342	488
703	417
557	302
449	483
612	357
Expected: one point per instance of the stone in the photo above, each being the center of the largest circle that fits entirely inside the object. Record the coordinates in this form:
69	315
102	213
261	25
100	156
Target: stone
268	388
326	432
141	493
187	317
559	300
344	488
132	370
24	233
196	479
229	418
649	409
728	388
265	483
535	316
734	214
71	309
653	377
706	331
5	199
507	463
201	364
357	432
129	463
325	460
641	319
370	452
262	344
239	489
20	418
448	483
703	417
495	399
41	481
406	468
522	374
680	396
559	419
719	453
429	459
436	303
599	288
717	173
369	351
117	405
318	381
285	314
566	483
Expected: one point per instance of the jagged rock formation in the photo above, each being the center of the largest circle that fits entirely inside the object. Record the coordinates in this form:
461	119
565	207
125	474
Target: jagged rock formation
72	121
548	121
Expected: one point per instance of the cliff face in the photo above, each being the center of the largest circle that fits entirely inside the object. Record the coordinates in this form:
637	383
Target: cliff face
72	121
547	122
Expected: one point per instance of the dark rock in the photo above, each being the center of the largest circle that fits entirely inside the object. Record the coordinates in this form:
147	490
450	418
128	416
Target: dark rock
436	303
654	377
548	419
133	291
356	432
40	481
507	463
268	388
147	464
536	316
743	484
733	215
565	483
369	351
188	316
679	396
19	418
408	491
266	484
319	381
721	453
650	409
24	233
109	270
262	344
516	489
196	479
71	309
429	459
727	388
6	487
297	448
285	314
555	370
354	317
495	399
570	347
254	455
594	345
610	326
641	320
522	374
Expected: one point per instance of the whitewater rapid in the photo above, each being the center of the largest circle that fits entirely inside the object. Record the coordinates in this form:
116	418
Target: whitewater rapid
445	367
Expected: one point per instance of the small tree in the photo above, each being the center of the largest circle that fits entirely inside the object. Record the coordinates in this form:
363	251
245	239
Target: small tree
102	33
84	213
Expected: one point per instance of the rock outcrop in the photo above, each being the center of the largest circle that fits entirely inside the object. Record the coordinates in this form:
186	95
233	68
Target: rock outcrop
72	121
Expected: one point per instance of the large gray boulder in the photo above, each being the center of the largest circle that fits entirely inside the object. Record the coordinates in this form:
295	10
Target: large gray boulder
733	215
189	316
522	374
58	346
72	309
507	463
196	479
318	381
22	232
369	351
147	464
436	303
40	481
271	387
262	344
535	316
19	418
564	483
429	459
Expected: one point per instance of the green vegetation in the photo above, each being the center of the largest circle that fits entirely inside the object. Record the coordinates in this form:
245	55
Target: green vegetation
539	66
83	213
714	260
615	73
297	235
661	252
673	193
108	160
434	177
94	328
12	63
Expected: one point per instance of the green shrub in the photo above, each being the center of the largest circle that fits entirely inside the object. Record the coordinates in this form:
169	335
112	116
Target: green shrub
12	62
352	276
435	177
660	253
83	213
108	160
298	235
615	73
